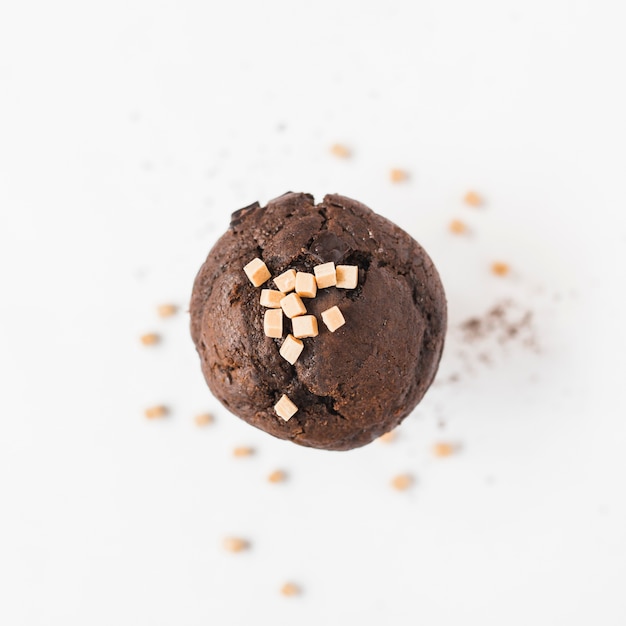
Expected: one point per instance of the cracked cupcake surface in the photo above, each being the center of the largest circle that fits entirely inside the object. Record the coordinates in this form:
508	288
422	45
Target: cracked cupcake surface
351	385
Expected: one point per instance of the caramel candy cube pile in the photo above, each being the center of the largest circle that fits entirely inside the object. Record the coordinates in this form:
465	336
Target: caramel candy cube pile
271	298
285	408
333	318
291	349
304	326
286	282
292	305
306	285
273	323
325	275
257	272
291	287
347	276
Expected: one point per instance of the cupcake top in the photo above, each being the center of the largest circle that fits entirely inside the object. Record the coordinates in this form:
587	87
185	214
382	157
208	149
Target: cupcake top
318	323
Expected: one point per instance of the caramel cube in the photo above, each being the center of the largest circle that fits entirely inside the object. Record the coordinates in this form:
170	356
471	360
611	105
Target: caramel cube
271	298
304	326
257	272
286	282
291	349
273	323
325	275
306	285
285	408
333	318
292	305
347	276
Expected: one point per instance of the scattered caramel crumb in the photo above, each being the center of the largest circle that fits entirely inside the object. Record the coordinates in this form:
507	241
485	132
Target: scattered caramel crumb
150	339
277	476
167	310
242	451
388	437
341	151
402	482
153	412
443	449
500	269
457	227
235	544
203	419
290	590
473	199
398	176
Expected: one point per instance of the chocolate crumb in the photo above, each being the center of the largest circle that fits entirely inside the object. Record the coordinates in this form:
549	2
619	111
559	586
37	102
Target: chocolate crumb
503	323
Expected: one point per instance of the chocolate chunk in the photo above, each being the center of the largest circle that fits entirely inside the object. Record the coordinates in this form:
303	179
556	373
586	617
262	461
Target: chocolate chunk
238	216
327	247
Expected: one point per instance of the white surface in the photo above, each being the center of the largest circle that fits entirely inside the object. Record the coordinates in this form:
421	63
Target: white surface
128	133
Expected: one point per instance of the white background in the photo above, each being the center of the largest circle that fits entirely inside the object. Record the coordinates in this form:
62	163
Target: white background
128	133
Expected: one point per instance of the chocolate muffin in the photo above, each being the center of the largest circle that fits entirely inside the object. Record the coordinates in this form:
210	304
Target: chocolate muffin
362	354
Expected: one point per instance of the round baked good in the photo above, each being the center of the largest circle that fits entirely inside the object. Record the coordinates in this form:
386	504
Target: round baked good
349	386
